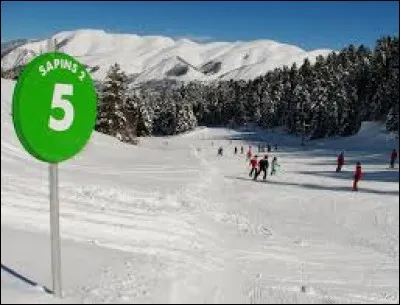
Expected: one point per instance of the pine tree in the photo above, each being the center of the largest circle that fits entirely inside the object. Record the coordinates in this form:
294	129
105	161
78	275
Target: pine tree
392	120
185	119
115	116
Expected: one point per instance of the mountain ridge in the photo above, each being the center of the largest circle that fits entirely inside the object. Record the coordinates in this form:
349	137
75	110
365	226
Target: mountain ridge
147	57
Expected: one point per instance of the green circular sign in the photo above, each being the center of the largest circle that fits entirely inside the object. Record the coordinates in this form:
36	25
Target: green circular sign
54	107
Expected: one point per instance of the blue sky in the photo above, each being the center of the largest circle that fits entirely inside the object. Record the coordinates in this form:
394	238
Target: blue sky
309	25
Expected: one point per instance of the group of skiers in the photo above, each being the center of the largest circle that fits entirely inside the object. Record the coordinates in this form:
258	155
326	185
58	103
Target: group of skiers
263	166
260	149
268	148
257	166
358	172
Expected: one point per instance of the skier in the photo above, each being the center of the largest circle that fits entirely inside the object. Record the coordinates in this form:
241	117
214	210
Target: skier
274	165
241	150
249	153
357	176
393	157
263	166
276	147
340	162
253	164
269	148
220	151
236	150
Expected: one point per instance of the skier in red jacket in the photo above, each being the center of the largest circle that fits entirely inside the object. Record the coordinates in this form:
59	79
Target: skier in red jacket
340	162
357	176
253	164
393	157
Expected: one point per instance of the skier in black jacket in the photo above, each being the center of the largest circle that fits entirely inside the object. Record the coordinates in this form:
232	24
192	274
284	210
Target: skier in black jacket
263	166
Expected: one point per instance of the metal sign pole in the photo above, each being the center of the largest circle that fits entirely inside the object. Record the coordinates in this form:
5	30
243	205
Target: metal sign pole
55	219
55	230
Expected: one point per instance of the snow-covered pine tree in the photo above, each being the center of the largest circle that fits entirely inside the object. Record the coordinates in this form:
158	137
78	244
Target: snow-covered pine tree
392	120
142	118
164	122
115	117
185	119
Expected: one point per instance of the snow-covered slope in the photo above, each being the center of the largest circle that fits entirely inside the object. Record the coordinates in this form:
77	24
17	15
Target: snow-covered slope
153	56
168	221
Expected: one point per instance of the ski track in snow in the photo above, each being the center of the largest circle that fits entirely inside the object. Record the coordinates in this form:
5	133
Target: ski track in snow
189	226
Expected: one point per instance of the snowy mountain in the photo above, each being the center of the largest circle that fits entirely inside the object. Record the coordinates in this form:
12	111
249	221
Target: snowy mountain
157	57
11	45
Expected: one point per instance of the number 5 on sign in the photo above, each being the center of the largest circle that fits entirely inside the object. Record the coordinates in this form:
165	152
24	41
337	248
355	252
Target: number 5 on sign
58	102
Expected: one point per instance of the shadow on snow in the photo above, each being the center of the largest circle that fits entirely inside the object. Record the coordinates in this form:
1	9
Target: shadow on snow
381	176
317	186
21	277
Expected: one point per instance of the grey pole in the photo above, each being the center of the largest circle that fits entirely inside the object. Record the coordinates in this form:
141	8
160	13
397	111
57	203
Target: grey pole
54	218
55	230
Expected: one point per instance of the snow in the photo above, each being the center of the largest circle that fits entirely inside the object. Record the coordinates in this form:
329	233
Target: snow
150	56
168	221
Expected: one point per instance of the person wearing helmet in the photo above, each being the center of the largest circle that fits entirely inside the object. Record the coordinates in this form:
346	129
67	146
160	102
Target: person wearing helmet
263	167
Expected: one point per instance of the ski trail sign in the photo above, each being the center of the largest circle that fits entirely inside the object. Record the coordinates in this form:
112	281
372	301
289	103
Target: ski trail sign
54	113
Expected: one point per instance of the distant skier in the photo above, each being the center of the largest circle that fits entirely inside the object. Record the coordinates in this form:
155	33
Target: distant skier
263	167
393	157
236	150
340	162
253	164
276	147
269	148
274	166
241	150
220	151
357	176
249	154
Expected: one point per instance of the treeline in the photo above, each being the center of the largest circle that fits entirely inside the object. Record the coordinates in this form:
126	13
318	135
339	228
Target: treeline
329	98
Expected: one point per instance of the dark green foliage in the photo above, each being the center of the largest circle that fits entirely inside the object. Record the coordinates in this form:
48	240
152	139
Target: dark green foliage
331	97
